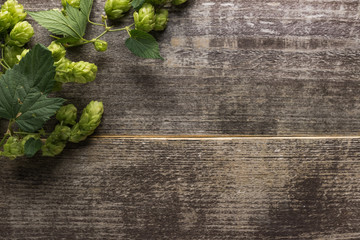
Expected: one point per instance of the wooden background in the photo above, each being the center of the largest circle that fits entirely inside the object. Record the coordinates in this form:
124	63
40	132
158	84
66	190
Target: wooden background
248	130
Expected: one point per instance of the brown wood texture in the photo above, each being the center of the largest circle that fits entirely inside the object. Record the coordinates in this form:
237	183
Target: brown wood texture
186	189
232	67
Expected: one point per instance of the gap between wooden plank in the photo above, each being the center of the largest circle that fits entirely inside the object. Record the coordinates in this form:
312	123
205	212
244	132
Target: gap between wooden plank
220	137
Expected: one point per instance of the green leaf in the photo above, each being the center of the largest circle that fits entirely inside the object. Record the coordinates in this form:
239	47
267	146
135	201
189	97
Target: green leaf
142	44
24	89
72	25
32	146
136	4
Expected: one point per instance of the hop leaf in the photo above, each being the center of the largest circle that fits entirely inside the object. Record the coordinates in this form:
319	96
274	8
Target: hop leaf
136	4
178	2
116	9
142	44
72	25
31	145
24	89
156	2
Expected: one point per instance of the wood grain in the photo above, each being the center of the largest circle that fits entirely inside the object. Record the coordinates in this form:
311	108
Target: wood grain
186	189
249	67
232	67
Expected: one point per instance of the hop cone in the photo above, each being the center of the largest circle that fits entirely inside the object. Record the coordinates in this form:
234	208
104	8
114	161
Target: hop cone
145	18
5	20
63	70
73	3
20	34
89	121
58	51
13	148
79	72
84	72
16	11
115	9
11	54
56	142
161	19
100	45
67	114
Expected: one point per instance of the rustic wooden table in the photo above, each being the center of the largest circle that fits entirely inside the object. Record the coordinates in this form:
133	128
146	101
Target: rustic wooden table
248	130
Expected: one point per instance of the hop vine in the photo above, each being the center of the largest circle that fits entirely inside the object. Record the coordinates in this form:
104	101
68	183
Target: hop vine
28	76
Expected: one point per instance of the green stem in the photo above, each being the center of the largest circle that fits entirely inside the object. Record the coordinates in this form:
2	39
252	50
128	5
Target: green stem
2	61
127	28
57	38
4	139
9	129
8	132
97	24
102	34
83	42
23	133
3	65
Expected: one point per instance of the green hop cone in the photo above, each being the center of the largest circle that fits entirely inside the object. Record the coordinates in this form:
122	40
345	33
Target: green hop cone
13	148
58	51
63	70
89	121
73	3
161	19
16	11
100	45
23	54
145	18
156	2
56	142
67	114
84	72
116	9
178	2
11	54
5	20
79	72
20	34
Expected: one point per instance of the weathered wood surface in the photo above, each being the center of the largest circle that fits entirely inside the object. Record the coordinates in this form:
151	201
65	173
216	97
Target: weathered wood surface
286	67
186	189
280	67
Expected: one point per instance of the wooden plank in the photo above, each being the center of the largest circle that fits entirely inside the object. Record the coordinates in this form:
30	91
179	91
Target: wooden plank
284	67
186	189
